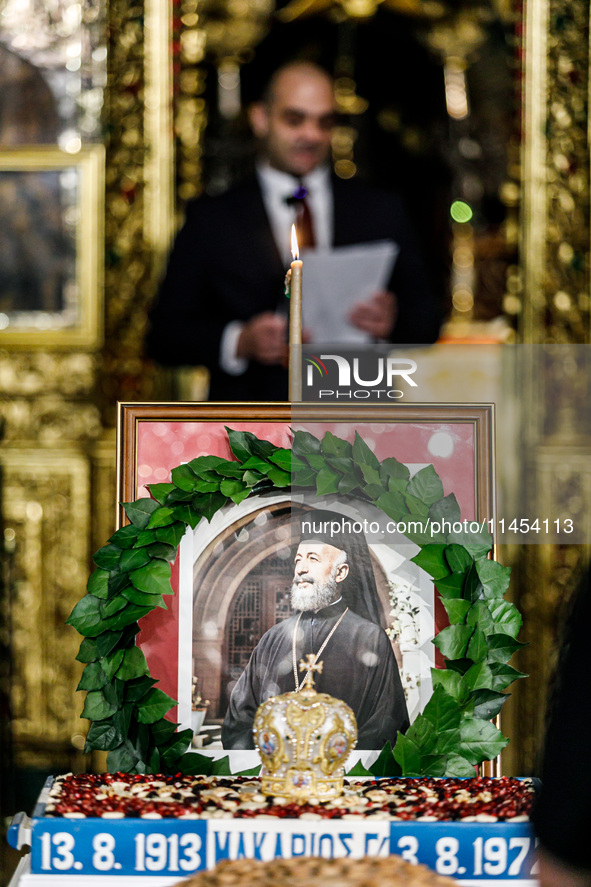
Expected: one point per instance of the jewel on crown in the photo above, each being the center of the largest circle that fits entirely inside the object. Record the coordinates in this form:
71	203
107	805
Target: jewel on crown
304	738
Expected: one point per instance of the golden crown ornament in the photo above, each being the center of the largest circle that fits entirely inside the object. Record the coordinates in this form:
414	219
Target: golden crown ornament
304	738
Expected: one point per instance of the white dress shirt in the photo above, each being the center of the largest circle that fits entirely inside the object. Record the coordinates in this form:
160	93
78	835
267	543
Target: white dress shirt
276	186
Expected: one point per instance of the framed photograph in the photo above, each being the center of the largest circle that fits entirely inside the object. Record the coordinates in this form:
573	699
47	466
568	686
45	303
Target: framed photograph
51	213
235	575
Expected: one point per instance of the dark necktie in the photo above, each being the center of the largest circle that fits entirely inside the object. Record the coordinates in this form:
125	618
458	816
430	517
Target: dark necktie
304	220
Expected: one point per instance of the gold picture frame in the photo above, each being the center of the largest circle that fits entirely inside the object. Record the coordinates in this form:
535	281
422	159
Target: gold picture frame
155	438
51	208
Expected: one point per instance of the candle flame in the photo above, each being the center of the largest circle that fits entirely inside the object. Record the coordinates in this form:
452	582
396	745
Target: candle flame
294	243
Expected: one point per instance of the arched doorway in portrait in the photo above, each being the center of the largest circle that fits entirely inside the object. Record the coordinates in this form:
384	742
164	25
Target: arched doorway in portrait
243	568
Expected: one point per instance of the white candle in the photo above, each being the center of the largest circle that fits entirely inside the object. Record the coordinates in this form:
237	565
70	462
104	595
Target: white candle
295	322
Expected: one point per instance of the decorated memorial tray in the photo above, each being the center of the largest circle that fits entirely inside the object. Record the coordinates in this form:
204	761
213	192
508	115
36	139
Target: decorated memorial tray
119	826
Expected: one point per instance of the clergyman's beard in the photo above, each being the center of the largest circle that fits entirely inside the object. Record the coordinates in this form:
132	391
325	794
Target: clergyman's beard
314	596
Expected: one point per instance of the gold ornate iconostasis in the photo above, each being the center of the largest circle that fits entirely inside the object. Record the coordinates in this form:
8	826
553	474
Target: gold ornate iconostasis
142	79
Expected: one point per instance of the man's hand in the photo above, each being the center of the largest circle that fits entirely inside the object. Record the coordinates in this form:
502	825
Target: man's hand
264	339
375	316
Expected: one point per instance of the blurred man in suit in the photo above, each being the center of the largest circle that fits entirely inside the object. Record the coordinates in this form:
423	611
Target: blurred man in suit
222	301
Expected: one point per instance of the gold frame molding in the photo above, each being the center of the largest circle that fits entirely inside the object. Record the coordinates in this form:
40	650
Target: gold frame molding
89	164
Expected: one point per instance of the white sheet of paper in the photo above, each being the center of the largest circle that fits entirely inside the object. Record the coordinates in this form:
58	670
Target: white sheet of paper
334	280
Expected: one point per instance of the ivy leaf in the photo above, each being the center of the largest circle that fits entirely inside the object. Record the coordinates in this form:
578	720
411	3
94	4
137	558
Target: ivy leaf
476	543
130	614
417	508
372	491
93	677
183	478
501	647
394	469
117	582
252	771
171	534
114	605
192	764
102	736
348	483
134	665
98	583
394	505
86	617
335	446
279	477
446	509
210	503
139	511
162	517
142	599
137	690
123	759
125	537
230	469
451	681
204	486
286	461
451	586
112	662
503	675
506	617
423	734
459	767
316	462
408	756
327	481
162	731
456	609
480	740
433	765
145	538
153	578
188	514
442	710
385	764
305	477
479	677
362	454
447	741
431	559
460	665
207	467
232	487
370	474
488	704
108	557
241	443
458	558
109	639
176	748
493	576
477	648
480	615
160	492
88	651
154	705
358	770
221	767
426	485
96	707
163	551
453	640
133	559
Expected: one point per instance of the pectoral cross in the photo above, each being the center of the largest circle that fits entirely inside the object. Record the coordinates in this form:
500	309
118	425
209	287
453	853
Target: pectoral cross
309	665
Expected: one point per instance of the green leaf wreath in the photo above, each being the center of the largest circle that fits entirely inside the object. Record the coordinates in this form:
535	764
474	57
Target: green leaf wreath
452	735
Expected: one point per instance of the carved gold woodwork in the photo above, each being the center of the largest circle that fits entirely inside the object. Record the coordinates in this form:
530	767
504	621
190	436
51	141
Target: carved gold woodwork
46	508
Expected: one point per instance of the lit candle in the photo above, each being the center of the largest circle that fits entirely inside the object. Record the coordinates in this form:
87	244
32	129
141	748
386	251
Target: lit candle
295	322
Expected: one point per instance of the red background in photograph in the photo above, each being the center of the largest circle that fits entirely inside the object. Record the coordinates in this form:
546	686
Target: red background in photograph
164	445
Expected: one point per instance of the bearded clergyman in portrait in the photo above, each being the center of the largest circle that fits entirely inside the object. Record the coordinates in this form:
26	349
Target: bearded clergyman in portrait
337	621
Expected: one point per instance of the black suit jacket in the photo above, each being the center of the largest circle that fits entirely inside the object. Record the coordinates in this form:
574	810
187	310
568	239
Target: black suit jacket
225	266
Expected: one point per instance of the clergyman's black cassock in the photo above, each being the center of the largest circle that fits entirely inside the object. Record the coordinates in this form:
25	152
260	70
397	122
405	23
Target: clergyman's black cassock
358	666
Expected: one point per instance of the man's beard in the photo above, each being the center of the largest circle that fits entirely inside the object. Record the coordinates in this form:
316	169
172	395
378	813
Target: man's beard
314	596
